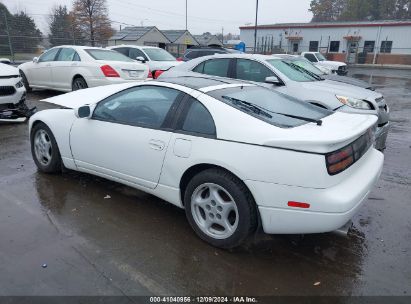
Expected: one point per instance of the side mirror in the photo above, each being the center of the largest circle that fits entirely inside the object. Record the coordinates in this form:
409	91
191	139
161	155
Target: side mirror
141	59
83	112
273	80
36	59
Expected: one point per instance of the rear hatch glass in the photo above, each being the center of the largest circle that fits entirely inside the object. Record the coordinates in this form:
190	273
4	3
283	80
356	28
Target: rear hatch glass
270	103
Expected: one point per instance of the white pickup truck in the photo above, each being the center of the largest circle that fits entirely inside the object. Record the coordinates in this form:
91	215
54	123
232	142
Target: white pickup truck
327	66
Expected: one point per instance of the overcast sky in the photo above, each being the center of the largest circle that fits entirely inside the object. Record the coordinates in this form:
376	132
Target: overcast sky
203	15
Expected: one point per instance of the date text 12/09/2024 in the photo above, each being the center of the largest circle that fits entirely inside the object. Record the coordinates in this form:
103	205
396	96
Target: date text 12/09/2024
205	299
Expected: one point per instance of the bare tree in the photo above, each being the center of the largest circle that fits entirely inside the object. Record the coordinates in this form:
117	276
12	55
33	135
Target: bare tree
91	19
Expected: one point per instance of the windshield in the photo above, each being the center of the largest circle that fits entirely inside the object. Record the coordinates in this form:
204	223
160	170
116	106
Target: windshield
107	55
320	57
305	64
293	73
271	102
159	54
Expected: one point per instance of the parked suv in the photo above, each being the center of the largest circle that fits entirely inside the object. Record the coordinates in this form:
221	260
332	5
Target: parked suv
196	52
292	80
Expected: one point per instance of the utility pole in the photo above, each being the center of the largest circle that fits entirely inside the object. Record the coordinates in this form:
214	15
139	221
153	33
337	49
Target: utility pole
8	36
186	15
255	29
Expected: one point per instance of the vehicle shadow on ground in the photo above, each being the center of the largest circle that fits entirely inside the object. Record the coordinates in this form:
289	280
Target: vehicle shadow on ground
148	234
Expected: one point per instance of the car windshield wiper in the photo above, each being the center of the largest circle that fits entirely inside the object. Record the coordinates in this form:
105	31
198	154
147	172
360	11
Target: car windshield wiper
301	69
263	111
250	106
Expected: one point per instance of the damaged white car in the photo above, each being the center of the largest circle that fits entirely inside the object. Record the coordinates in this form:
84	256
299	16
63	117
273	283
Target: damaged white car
12	95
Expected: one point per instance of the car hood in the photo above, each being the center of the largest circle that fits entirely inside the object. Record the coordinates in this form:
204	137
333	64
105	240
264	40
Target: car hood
337	131
335	64
80	98
348	80
7	70
343	89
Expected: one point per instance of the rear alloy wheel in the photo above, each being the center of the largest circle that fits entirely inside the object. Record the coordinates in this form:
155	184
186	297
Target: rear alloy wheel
220	208
78	84
44	149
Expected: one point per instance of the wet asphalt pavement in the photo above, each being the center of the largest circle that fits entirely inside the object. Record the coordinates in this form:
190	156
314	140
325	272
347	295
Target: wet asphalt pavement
131	243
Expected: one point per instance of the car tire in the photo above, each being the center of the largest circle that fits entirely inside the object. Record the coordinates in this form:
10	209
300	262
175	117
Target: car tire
79	83
25	81
44	149
220	208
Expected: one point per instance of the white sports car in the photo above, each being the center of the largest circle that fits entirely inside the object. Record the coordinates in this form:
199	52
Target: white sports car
69	68
232	154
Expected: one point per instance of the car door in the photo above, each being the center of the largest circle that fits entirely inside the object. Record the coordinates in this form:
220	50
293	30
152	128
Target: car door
127	136
64	68
40	74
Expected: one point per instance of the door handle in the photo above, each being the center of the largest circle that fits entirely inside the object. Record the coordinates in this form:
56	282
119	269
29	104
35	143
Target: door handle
74	64
157	144
48	64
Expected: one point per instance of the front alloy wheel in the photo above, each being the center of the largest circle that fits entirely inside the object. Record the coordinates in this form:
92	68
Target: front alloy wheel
44	149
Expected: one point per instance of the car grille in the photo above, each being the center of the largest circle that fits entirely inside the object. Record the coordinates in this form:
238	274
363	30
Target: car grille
342	68
7	90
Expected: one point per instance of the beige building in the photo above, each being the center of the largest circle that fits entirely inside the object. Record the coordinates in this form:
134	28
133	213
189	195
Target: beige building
180	41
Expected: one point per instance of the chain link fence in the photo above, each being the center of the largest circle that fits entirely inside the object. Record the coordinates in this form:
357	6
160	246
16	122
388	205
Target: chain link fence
21	40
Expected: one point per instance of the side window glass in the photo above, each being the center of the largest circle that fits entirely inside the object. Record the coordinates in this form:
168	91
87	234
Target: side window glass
49	55
199	68
145	106
310	57
134	53
66	55
199	120
122	50
76	57
216	67
252	70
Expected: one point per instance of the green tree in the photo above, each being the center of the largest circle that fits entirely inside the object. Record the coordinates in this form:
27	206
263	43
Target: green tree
360	10
327	10
61	27
25	35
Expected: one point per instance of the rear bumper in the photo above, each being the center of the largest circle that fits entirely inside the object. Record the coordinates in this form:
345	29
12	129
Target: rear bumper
330	208
96	82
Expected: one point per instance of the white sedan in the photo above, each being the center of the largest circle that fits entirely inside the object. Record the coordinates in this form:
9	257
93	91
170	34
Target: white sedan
156	58
70	68
231	154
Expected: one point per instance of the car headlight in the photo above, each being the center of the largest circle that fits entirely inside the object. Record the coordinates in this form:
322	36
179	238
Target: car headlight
19	84
354	102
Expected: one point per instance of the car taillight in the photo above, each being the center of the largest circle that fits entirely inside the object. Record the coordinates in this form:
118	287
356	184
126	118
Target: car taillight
158	73
341	159
108	71
179	59
150	74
